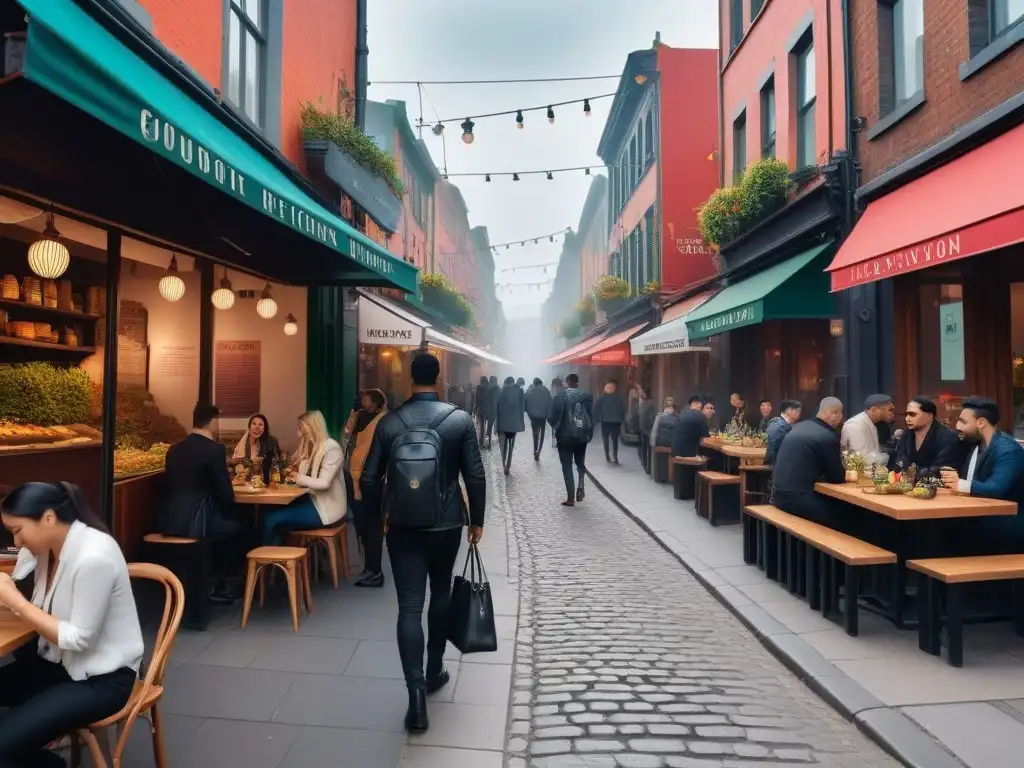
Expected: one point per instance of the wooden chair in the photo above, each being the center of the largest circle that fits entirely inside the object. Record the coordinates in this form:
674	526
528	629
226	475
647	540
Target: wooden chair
287	560
148	691
334	540
684	475
707	482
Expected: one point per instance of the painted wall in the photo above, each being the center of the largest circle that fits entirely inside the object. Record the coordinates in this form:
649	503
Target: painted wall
764	48
689	134
593	238
454	255
192	30
949	101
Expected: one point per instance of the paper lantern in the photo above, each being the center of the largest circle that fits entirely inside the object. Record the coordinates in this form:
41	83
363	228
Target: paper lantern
291	326
48	257
171	286
223	297
266	307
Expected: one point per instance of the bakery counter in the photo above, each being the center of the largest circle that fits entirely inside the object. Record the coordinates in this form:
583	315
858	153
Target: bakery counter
76	461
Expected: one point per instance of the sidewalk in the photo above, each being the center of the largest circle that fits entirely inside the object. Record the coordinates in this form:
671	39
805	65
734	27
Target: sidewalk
333	694
894	691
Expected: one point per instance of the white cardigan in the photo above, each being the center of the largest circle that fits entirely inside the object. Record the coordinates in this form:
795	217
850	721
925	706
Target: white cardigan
91	597
327	489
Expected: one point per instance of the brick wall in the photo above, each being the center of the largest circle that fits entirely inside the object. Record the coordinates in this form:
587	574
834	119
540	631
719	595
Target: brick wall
192	29
949	103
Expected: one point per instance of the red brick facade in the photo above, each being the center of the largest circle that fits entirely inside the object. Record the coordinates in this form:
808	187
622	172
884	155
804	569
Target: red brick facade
193	30
949	102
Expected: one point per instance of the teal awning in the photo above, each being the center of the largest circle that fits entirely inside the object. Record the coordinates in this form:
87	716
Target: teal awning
792	289
73	56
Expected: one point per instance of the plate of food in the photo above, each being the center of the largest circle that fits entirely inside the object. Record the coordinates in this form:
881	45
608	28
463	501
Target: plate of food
248	489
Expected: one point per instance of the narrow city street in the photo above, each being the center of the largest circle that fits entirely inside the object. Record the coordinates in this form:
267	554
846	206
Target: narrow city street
624	659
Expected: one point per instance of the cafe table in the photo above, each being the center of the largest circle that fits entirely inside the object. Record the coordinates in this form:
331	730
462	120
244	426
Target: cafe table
281	496
905	511
14	632
745	454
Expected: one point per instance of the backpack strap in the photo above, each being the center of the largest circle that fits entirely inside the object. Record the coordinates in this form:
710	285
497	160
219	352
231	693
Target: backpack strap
442	415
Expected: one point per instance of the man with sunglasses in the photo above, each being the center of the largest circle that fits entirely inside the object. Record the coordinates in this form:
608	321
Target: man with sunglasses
926	441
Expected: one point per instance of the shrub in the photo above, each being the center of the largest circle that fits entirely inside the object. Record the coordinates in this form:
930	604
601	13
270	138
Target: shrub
570	329
438	293
586	311
721	217
610	287
318	123
44	394
764	187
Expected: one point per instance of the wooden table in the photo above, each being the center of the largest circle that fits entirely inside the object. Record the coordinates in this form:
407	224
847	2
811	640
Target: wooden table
14	632
746	454
278	497
906	510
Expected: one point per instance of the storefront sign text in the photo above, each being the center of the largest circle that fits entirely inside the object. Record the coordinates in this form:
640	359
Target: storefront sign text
922	255
389	334
724	321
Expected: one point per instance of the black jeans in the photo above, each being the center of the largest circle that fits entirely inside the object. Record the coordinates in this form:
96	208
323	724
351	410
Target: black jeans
417	556
371	533
506	441
230	538
539	427
569	455
45	704
610	437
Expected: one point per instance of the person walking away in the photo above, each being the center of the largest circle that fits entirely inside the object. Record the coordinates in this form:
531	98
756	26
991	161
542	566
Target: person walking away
85	663
200	501
538	406
647	413
665	424
557	385
610	412
572	416
422	449
521	382
480	406
779	427
691	429
491	406
370	531
510	420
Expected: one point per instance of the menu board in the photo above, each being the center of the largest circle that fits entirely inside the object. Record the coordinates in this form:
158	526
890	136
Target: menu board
237	378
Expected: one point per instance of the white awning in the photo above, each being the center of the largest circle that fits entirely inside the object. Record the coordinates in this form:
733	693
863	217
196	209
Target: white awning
383	322
671	336
454	345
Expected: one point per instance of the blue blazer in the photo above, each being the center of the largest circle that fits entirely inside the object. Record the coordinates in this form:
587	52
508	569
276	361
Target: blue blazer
999	473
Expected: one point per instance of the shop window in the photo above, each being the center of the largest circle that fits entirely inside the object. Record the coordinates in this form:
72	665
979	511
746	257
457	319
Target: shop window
649	136
739	146
735	24
941	352
900	52
768	127
805	99
247	57
1017	347
1005	14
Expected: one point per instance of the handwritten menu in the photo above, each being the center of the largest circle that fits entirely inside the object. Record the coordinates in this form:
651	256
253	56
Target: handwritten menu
237	378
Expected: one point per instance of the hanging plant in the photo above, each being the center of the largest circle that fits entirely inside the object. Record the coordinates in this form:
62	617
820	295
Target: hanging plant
442	296
610	292
586	311
570	329
733	210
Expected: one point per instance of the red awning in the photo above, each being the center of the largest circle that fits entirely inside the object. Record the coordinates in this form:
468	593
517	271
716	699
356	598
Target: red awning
969	206
564	355
614	350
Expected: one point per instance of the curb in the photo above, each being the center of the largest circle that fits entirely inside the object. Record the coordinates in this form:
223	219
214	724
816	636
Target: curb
896	733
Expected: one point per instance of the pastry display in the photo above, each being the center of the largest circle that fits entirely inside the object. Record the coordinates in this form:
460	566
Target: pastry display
31	291
64	297
10	290
50	294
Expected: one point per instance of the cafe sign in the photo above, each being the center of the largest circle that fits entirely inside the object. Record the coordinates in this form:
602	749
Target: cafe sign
748	314
379	326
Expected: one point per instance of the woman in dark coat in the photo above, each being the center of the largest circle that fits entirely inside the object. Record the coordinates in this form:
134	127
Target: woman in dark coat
510	419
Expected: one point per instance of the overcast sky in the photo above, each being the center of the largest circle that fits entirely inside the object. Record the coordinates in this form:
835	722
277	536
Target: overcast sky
502	39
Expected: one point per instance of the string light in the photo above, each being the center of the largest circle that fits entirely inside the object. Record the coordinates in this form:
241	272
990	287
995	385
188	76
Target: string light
515	177
519	120
467	131
550	176
585	168
586	107
438	129
495	246
551	115
487	177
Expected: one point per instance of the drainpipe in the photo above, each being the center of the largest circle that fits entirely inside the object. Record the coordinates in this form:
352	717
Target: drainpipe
362	54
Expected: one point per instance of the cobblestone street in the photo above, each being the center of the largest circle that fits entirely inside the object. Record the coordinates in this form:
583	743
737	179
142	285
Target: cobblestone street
624	660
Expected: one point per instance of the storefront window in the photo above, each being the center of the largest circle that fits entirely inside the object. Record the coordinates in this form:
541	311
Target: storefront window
941	351
1017	345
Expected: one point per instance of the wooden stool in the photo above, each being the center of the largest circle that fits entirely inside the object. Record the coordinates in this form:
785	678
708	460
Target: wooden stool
189	560
335	539
661	467
288	560
707	482
684	474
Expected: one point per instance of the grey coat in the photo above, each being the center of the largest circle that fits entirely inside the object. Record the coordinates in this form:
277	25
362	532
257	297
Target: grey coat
538	402
511	406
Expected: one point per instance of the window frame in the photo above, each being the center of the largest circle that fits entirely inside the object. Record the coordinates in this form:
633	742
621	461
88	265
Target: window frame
235	9
889	50
804	50
769	143
739	146
993	33
735	24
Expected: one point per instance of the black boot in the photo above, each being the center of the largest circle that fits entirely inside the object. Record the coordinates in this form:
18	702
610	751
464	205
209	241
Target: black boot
416	716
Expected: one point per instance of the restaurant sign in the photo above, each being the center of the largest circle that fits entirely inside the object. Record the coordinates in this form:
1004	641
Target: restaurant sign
619	356
748	314
379	326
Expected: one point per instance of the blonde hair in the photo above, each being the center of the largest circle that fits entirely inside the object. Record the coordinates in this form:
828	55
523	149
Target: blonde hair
313	436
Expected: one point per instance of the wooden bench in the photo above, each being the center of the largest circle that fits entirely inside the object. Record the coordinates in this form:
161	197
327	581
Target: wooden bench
684	475
952	573
661	464
789	533
189	560
707	482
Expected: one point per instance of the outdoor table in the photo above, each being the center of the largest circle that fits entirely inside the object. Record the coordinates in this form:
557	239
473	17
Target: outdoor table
14	632
281	496
904	510
744	454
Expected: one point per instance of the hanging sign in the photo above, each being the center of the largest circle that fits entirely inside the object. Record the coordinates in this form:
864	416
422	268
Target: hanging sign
379	326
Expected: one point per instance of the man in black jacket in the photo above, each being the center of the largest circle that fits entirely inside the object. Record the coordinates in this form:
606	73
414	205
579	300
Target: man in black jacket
692	427
420	554
926	441
480	406
779	427
809	454
610	412
572	439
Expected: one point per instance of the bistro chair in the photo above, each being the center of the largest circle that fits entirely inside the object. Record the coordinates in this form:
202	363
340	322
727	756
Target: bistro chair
334	541
294	563
148	691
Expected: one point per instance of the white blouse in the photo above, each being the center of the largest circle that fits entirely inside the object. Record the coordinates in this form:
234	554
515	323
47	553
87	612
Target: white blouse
91	597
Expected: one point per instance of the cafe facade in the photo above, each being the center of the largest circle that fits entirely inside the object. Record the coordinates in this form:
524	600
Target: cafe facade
155	251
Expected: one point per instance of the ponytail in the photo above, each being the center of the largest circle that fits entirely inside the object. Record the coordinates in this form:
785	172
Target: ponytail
33	500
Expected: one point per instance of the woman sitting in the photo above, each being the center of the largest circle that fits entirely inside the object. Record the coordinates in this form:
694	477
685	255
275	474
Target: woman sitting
90	645
258	442
317	466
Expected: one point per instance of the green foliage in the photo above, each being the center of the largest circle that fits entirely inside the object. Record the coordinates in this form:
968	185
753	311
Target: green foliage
570	329
721	217
610	290
653	286
318	123
585	311
45	395
731	211
441	295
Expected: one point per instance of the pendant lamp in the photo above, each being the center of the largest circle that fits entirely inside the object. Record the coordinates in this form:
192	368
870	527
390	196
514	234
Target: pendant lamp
223	297
48	257
171	286
266	307
291	325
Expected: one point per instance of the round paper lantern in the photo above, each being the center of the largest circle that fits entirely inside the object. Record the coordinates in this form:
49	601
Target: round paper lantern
48	257
291	326
266	307
223	297
171	286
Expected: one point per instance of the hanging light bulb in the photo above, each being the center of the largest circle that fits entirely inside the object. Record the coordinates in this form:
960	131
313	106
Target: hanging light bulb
266	307
507	246
291	325
487	177
438	129
551	115
552	238
467	131
550	177
515	177
586	107
223	297
586	172
49	257
171	286
519	120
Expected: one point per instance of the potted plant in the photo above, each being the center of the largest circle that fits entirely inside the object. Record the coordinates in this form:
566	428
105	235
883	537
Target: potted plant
586	311
436	292
611	293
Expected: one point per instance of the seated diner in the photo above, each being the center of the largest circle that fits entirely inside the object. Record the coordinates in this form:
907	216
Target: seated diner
691	428
926	441
257	442
86	661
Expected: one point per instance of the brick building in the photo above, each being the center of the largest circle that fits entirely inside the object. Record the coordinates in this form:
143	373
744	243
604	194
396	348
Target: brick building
938	88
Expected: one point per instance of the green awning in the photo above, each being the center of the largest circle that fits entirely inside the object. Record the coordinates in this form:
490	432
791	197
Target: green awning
793	289
72	55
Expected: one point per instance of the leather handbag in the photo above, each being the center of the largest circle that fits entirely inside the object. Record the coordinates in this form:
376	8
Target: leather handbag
471	613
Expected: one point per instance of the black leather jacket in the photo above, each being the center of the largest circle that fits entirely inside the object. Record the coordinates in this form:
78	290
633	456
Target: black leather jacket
460	454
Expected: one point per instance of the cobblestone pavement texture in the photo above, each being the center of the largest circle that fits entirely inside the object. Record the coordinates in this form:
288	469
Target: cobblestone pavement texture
624	660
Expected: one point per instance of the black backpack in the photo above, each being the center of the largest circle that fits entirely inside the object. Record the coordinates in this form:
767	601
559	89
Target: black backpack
666	429
415	481
579	427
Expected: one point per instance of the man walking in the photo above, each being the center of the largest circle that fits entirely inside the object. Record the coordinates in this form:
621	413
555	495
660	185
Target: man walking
491	406
480	407
421	449
610	412
572	417
509	420
538	406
